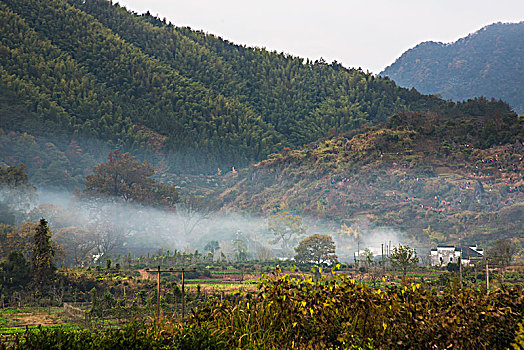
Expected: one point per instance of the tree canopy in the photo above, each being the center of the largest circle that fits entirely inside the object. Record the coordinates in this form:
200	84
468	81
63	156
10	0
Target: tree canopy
502	252
286	227
403	257
16	193
128	180
318	249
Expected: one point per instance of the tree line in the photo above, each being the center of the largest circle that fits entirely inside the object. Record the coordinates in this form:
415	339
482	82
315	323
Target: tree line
93	69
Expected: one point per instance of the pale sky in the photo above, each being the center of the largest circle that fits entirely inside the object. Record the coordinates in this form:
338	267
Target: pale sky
369	34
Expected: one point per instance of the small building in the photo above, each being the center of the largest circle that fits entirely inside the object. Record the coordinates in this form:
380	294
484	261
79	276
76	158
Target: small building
471	255
445	254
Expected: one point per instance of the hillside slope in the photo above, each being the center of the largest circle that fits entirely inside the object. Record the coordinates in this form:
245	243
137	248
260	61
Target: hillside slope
439	179
90	69
489	62
79	78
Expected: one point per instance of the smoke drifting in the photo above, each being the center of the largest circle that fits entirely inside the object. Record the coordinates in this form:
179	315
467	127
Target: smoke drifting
119	227
111	228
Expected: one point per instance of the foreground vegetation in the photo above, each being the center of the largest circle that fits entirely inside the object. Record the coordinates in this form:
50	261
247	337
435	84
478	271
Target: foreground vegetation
303	313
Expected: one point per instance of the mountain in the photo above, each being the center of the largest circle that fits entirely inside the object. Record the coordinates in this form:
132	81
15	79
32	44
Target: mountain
489	62
91	72
81	77
438	179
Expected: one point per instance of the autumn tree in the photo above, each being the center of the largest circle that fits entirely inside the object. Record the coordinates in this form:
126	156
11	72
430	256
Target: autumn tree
286	227
19	239
318	249
42	259
403	257
6	239
129	180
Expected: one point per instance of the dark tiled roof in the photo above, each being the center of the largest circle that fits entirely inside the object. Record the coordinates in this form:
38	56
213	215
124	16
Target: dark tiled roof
467	252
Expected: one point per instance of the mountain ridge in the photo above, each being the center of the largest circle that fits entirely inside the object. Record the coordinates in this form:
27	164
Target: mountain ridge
92	69
487	63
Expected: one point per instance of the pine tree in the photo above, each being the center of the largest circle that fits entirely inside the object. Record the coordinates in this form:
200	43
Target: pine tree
42	259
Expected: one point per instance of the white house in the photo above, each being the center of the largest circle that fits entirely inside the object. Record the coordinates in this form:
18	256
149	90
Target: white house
445	254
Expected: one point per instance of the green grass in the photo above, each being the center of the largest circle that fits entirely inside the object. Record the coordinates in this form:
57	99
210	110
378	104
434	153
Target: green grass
205	281
220	281
225	272
22	329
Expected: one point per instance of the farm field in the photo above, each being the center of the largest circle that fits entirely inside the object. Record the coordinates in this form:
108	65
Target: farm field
285	306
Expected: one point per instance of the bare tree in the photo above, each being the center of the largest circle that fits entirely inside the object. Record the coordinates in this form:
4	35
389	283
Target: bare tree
194	211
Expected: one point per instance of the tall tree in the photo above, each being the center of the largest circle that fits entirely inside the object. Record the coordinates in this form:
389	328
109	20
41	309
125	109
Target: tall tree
286	227
15	273
42	258
403	257
129	180
318	249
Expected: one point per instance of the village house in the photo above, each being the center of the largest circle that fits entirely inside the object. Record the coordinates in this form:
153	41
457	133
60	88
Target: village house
445	254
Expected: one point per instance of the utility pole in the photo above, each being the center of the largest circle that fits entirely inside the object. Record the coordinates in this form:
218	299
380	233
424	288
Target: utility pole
158	293
383	261
475	272
158	271
460	270
389	250
487	277
183	296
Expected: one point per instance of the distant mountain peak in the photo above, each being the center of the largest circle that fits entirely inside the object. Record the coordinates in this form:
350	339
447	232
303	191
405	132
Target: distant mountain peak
488	62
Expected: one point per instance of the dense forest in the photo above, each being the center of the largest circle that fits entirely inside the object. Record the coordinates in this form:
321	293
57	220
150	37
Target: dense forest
93	72
487	63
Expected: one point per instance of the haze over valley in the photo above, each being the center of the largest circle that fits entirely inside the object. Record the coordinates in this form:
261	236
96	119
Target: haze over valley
243	134
162	187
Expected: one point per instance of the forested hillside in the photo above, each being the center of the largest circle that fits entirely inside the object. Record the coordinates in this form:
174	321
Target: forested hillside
439	179
489	62
90	71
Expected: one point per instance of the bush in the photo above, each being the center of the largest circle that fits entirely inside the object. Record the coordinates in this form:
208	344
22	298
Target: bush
338	313
332	313
136	335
